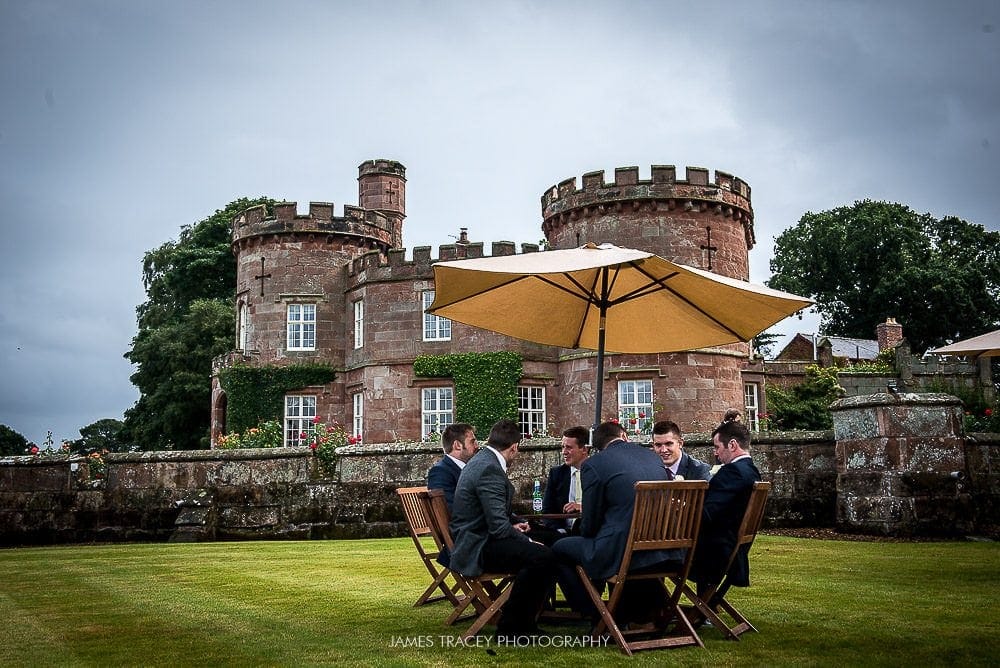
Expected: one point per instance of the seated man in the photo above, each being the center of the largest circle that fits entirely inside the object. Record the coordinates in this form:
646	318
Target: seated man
485	539
459	443
669	445
725	503
564	491
609	478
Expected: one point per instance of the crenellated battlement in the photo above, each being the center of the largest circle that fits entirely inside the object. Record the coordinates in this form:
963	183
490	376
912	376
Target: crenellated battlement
393	266
729	193
283	218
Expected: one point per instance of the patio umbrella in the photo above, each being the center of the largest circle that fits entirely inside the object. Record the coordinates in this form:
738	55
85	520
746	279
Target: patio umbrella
984	345
606	298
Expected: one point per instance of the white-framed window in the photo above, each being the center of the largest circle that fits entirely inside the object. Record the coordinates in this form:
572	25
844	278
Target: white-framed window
242	328
437	409
359	324
751	405
435	328
635	405
531	410
358	422
299	413
301	327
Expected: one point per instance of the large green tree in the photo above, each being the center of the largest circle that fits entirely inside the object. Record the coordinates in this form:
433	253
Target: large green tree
187	320
103	435
864	263
11	442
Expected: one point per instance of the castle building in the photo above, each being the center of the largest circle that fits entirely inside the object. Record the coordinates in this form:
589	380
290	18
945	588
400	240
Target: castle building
339	290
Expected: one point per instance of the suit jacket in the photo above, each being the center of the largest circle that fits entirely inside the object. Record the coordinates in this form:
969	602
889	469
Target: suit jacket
556	494
693	469
608	480
483	500
444	476
725	504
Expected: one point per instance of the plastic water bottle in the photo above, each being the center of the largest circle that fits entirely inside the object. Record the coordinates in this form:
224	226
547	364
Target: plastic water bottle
536	497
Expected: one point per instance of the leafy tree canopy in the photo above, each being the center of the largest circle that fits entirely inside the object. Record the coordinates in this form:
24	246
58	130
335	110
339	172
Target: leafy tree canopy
11	442
187	320
103	435
874	260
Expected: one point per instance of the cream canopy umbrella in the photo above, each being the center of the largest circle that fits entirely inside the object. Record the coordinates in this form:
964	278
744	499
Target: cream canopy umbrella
606	298
984	345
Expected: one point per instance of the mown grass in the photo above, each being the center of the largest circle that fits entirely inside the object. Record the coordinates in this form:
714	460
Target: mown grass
815	603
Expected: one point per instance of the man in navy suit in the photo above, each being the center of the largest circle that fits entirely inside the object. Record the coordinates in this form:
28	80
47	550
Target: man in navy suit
459	443
609	478
668	443
486	541
564	490
725	503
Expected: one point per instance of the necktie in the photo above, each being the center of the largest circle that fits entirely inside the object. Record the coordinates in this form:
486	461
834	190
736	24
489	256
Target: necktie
670	474
577	490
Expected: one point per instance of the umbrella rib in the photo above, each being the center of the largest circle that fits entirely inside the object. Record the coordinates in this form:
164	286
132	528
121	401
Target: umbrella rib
662	283
514	279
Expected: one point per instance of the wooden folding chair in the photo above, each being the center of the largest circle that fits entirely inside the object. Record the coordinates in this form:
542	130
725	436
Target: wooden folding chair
419	525
667	516
716	595
486	593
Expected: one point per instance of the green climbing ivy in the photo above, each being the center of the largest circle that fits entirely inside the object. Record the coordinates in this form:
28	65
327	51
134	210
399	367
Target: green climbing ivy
255	394
485	384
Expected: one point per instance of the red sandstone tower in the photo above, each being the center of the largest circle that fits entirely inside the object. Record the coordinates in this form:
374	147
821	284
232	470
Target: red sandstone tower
695	221
292	266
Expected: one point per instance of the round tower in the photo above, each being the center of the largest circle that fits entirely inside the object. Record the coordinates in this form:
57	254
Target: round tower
696	221
382	188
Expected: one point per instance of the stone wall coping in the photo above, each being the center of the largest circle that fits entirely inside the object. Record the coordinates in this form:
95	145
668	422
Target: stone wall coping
902	399
202	455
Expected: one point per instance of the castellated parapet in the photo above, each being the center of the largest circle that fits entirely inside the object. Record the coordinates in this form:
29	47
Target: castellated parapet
661	215
366	226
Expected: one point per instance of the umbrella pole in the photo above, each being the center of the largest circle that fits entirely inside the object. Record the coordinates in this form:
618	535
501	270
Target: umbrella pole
600	349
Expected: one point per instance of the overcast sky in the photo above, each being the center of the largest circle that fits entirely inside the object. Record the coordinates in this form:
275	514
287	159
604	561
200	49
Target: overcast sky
121	121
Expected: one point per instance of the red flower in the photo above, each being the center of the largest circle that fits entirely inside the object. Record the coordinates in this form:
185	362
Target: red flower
632	421
315	419
303	435
988	412
34	449
615	420
312	445
642	414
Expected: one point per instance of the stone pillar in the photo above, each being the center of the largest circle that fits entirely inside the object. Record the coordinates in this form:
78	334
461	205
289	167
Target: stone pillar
901	465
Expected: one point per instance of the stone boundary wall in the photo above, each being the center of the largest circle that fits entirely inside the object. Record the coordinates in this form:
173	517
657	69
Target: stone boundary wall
281	494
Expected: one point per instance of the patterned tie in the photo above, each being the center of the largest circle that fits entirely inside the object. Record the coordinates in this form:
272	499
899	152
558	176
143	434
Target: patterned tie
577	490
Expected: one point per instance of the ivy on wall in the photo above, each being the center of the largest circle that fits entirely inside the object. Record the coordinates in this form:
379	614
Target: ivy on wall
254	394
485	384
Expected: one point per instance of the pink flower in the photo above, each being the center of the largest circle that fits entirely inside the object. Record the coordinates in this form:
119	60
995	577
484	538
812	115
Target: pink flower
312	445
33	449
316	419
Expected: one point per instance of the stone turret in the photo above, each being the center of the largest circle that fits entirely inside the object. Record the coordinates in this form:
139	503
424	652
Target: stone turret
696	221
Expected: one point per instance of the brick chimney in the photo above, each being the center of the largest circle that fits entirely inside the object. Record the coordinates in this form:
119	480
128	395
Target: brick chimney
889	334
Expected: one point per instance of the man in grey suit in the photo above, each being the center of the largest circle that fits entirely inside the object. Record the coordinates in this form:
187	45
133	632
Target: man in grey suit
609	479
668	443
486	541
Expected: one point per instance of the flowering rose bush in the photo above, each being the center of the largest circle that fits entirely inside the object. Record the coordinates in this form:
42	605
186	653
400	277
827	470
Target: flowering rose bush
983	420
324	440
265	435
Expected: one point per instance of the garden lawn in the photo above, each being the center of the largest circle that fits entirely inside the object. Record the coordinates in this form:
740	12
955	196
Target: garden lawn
814	602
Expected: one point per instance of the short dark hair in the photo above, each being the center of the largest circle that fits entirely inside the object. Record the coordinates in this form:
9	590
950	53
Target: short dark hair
727	431
581	434
504	434
666	427
454	432
731	415
607	432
